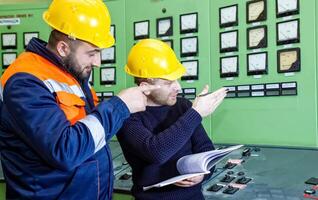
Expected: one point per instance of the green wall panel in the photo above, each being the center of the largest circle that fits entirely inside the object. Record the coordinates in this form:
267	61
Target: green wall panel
139	10
118	196
30	20
2	191
283	121
117	12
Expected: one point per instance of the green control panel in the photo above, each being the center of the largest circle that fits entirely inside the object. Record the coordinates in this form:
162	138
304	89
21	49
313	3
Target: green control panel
18	24
185	28
263	51
110	78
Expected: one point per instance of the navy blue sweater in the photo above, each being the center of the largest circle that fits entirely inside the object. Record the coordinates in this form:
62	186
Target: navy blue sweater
153	141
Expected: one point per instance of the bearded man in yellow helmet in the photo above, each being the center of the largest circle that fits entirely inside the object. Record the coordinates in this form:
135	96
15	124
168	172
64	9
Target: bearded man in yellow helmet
169	128
53	135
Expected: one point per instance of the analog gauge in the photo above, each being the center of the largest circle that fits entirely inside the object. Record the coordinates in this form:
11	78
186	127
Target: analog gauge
189	46
7	59
288	60
169	43
257	37
192	69
287	7
228	41
288	32
108	55
228	16
9	40
257	63
229	66
189	23
164	27
256	11
27	36
107	75
113	30
141	30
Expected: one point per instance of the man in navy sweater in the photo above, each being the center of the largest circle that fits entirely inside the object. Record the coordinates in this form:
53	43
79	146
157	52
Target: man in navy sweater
153	140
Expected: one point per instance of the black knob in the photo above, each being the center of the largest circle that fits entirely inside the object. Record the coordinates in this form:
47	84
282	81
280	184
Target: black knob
309	191
240	173
246	152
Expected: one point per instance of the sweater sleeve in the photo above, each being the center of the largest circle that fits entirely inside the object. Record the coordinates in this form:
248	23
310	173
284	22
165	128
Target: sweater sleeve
111	114
160	147
201	143
200	140
38	120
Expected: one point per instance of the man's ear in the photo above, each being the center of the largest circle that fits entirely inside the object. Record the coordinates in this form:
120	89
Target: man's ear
145	83
63	49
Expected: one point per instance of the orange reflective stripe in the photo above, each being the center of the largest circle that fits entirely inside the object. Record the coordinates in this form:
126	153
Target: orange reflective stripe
66	88
38	66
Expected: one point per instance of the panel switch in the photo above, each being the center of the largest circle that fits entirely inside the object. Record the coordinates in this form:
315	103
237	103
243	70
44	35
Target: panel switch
215	188
243	180
227	179
230	190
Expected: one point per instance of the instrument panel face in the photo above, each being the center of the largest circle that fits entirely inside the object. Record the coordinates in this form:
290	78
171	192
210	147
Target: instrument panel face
256	11
228	16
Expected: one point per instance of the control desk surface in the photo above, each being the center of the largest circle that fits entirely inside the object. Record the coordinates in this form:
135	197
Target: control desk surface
250	173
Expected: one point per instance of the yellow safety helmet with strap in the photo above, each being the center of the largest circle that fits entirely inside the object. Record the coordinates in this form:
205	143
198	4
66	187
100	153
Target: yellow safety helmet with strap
87	20
151	58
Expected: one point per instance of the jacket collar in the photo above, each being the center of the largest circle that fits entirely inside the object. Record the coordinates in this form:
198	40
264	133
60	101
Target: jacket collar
38	46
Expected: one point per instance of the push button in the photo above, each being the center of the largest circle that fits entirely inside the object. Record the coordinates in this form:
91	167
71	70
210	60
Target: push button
229	165
230	190
240	173
227	179
246	152
215	188
125	176
230	172
243	180
309	191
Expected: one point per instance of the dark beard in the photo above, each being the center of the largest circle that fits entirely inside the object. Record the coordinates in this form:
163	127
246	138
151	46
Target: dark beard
69	63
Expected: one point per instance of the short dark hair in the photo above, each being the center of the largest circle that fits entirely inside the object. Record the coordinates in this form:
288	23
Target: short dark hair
138	80
57	36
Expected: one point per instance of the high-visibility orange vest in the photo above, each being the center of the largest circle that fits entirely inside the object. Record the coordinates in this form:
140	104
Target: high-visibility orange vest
66	88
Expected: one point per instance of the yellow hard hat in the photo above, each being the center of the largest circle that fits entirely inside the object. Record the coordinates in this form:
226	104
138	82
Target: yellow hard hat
151	58
87	20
